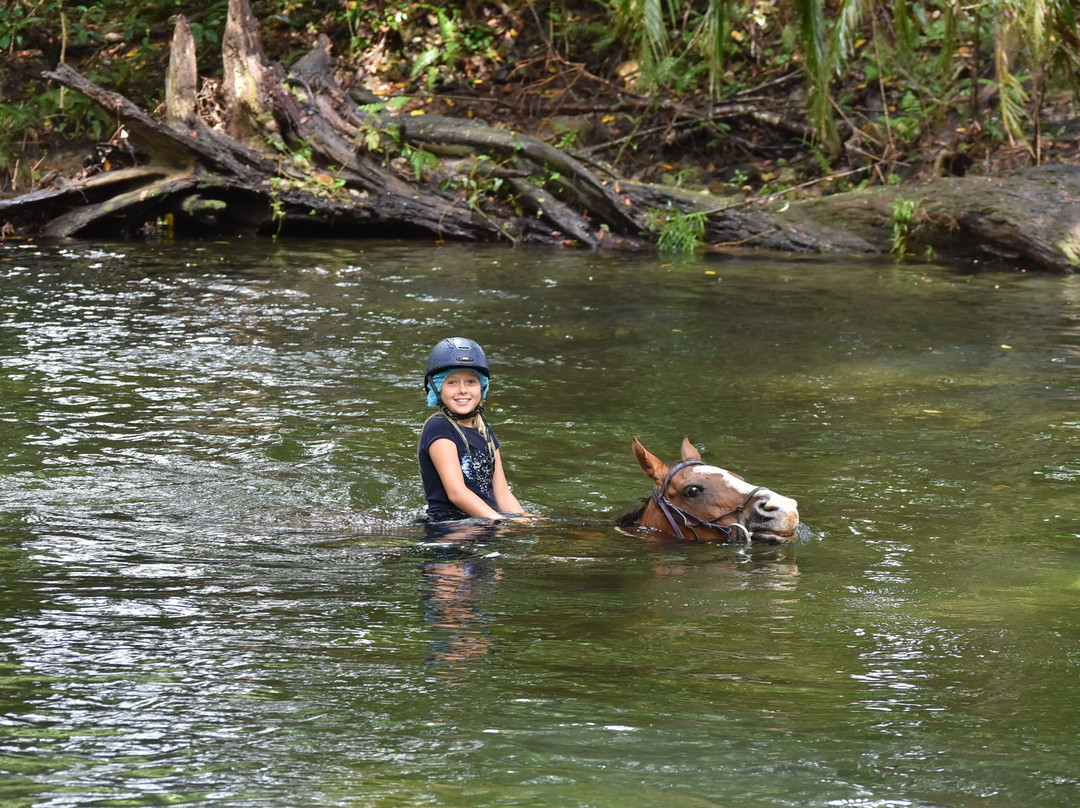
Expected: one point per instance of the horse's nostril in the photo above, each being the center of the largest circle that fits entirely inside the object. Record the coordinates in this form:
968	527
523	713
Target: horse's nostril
766	506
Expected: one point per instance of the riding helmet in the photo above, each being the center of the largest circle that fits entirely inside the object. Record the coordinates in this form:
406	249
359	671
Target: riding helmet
456	352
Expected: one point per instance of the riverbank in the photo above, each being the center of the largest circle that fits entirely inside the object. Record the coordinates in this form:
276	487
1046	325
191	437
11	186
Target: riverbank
541	149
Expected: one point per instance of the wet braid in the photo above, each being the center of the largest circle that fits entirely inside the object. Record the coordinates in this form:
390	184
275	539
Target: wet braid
484	428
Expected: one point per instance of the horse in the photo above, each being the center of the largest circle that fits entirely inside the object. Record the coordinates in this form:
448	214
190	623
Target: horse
693	500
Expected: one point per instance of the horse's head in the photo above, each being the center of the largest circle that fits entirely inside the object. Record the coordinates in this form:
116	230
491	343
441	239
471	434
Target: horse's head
695	500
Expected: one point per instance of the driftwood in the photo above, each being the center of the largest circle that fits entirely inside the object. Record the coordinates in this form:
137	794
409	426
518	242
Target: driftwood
294	153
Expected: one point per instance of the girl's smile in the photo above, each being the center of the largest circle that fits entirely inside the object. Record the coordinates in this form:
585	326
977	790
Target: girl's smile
461	392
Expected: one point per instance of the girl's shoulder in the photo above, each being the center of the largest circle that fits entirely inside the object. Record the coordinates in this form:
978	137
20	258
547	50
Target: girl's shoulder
437	422
435	427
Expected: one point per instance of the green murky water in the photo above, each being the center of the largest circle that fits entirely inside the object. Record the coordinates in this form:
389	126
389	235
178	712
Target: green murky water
213	592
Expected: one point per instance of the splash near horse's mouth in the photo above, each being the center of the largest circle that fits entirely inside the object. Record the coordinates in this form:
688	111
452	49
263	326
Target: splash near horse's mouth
769	537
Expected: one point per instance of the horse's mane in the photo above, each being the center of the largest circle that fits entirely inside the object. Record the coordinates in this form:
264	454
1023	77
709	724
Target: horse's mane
631	517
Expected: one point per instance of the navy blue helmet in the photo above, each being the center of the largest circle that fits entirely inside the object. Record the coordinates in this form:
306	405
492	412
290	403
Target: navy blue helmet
456	352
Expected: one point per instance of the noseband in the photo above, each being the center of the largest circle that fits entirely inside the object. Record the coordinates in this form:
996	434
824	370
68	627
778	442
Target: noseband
692	522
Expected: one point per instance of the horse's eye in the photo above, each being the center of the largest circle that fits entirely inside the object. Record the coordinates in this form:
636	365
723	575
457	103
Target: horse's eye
692	491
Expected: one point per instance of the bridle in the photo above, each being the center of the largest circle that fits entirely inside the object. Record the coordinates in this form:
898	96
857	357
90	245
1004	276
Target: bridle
692	522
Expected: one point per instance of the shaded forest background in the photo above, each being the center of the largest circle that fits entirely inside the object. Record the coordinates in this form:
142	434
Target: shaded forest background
802	97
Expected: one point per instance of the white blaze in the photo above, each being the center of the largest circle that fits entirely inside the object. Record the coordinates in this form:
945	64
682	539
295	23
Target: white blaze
785	504
742	486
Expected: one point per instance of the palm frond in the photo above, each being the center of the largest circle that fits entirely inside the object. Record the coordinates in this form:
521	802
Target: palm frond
811	18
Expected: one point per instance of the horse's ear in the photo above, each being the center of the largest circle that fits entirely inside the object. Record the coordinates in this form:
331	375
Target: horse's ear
650	463
689	451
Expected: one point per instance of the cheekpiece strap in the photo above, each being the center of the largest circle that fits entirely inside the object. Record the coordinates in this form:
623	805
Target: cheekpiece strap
670	510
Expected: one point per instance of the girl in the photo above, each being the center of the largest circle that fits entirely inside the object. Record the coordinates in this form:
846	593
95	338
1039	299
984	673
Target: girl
460	462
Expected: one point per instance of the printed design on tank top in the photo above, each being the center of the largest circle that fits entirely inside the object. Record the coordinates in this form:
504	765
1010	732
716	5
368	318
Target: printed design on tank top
478	465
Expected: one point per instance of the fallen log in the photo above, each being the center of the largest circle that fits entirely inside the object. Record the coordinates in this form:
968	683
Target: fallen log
1025	219
295	153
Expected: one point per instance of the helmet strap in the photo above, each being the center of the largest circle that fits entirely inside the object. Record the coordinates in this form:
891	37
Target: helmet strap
455	417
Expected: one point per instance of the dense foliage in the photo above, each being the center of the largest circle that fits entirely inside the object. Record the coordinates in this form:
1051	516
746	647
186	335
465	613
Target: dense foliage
865	88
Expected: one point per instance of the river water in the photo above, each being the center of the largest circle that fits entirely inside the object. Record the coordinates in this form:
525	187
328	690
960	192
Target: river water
214	592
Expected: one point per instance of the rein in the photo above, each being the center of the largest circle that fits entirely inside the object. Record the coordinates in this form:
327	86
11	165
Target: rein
692	522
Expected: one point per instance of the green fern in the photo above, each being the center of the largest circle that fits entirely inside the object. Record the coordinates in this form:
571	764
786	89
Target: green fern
678	232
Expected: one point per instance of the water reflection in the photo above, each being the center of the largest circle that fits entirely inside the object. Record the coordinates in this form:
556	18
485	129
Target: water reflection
731	567
453	593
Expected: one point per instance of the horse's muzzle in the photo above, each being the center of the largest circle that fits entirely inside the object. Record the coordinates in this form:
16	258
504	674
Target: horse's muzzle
773	519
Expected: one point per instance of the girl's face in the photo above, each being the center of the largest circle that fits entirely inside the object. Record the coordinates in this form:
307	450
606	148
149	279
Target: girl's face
461	392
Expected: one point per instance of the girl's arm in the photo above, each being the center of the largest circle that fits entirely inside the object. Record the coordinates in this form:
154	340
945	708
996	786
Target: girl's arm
504	497
444	455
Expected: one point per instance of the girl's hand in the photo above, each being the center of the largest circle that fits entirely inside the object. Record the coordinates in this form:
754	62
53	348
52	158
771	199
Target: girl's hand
522	517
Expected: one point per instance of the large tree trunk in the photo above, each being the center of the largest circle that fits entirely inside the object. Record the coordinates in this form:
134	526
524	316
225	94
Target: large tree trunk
296	154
